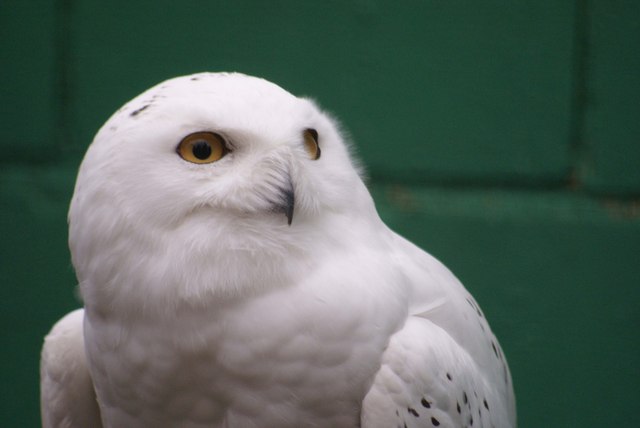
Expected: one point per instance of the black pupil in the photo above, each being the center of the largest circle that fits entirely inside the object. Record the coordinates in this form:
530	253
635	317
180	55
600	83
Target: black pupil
201	149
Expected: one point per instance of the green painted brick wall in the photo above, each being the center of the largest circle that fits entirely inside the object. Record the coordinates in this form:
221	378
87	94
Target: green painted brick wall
502	137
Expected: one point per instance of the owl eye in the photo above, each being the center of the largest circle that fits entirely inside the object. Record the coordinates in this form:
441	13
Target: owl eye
311	143
202	147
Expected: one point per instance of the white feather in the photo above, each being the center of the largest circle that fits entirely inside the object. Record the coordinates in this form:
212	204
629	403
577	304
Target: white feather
67	397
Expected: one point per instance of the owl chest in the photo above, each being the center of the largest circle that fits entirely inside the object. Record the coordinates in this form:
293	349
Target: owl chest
285	366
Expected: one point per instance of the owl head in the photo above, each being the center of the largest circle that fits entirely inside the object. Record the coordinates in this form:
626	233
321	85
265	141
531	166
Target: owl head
203	177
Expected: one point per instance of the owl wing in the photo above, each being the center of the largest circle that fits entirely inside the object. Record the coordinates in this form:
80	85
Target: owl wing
67	397
444	367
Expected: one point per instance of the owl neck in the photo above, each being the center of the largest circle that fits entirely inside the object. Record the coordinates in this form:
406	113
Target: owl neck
208	260
187	268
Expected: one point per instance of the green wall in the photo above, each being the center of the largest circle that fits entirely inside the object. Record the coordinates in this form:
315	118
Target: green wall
501	136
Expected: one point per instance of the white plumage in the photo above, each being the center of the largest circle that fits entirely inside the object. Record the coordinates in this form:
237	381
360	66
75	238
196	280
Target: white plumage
204	307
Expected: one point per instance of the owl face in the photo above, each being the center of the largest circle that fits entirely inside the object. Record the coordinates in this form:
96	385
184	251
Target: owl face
223	162
238	147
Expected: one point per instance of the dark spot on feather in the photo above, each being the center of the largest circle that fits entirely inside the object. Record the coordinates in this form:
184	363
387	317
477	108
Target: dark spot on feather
435	422
413	412
464	397
458	407
475	306
486	405
449	376
425	403
140	110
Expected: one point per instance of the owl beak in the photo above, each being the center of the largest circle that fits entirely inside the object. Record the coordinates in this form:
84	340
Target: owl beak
288	204
280	192
284	202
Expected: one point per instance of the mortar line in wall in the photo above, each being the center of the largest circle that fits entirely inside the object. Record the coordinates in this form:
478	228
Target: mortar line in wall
578	145
62	75
466	183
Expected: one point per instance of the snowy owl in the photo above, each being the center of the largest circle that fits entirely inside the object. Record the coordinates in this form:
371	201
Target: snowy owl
235	273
